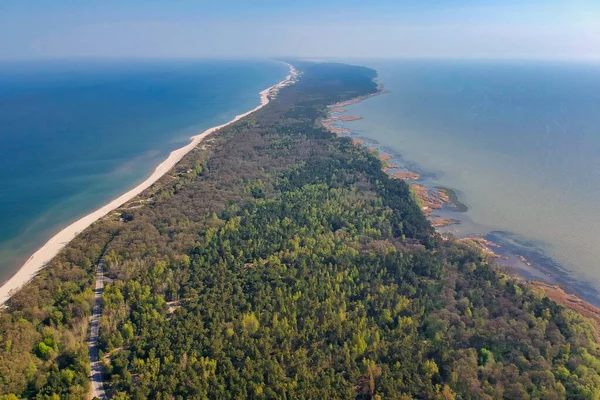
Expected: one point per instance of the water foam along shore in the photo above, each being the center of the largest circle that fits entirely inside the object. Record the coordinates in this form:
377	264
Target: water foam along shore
43	255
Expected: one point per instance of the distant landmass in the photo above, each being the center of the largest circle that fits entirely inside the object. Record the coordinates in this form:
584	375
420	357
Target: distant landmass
281	259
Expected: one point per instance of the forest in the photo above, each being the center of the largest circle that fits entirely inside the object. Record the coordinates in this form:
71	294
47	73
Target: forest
279	261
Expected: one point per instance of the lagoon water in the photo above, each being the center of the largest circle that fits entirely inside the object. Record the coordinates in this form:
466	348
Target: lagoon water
75	134
519	141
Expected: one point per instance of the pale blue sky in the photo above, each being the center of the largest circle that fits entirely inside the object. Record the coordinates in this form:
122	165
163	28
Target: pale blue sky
557	29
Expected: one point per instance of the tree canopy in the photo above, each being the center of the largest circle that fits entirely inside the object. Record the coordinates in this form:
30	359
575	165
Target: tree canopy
279	261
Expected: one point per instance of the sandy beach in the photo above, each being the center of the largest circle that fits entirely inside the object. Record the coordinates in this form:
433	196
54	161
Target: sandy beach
42	256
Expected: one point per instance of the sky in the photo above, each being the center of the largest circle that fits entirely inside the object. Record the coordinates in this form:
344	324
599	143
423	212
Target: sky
532	29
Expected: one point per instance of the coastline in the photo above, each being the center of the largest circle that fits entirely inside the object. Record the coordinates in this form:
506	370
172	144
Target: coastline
38	260
439	204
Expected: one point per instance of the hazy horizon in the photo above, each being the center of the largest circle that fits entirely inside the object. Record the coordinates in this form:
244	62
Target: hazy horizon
489	29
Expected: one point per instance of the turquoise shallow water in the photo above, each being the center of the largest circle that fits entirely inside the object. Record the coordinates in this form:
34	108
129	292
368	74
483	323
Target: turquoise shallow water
519	141
75	134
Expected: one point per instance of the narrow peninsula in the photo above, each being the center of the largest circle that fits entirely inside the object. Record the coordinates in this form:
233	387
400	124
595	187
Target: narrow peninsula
278	260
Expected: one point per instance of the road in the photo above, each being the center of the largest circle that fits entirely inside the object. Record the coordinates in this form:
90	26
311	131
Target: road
96	380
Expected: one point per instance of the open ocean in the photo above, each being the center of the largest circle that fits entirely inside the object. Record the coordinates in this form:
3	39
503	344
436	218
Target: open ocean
518	141
76	134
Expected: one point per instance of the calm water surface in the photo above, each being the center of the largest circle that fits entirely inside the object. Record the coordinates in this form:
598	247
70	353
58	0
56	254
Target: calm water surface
519	141
75	134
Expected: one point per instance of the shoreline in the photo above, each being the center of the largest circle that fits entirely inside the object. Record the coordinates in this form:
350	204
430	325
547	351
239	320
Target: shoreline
38	260
556	284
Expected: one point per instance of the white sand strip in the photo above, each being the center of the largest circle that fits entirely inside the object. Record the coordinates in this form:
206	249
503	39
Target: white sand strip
40	258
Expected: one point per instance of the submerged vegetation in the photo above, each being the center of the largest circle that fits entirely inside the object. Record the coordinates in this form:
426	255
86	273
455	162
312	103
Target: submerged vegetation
278	261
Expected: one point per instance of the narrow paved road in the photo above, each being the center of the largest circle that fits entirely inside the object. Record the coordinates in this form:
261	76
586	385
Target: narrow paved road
97	383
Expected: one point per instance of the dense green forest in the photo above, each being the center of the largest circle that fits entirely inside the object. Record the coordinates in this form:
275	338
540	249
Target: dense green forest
278	261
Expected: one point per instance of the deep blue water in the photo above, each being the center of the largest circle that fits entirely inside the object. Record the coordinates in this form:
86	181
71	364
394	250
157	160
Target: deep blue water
520	141
75	134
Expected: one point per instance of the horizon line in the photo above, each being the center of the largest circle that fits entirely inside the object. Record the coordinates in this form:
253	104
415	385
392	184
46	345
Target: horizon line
298	57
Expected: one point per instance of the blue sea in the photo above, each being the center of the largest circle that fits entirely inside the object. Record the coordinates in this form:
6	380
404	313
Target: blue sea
518	141
75	134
